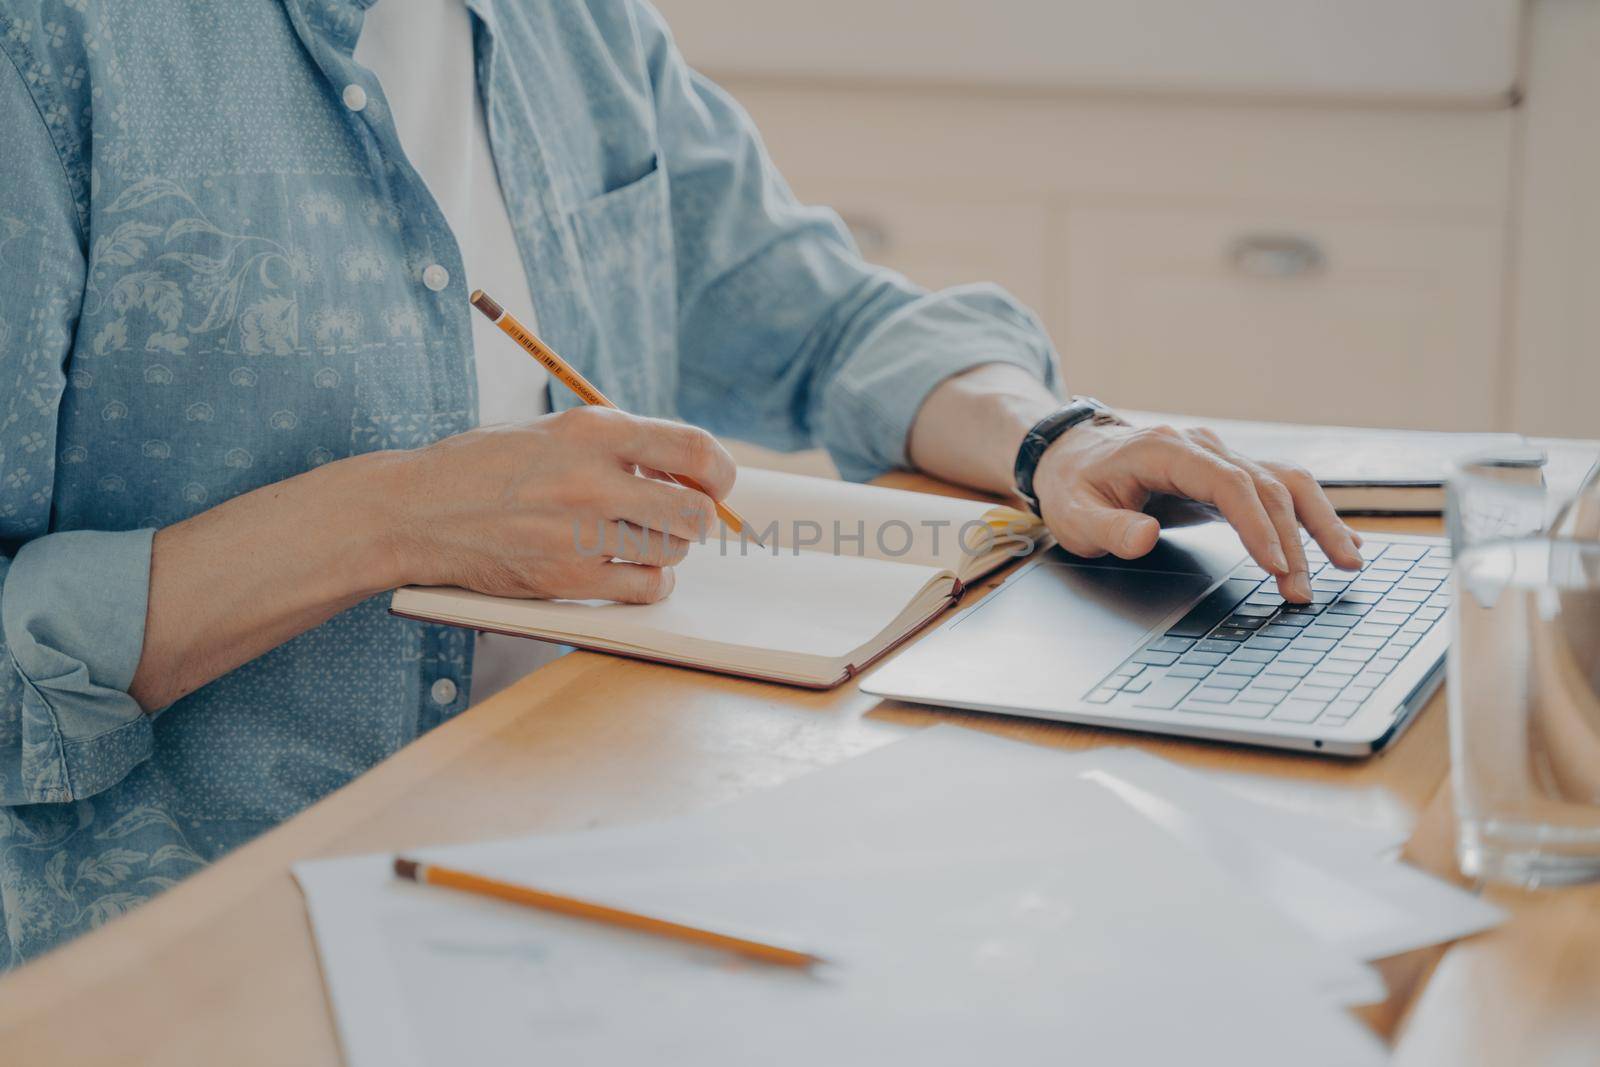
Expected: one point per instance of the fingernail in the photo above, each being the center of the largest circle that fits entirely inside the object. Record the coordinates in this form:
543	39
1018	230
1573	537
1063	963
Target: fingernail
1300	586
1279	561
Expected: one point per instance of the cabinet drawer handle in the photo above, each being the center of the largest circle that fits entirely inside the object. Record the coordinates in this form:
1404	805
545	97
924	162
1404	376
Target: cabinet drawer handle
1267	255
871	235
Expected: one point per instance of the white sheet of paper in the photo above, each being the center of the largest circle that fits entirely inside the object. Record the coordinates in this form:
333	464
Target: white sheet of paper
422	977
980	898
1327	881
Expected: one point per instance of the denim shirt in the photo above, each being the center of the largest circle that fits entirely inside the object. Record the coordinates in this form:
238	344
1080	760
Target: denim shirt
218	270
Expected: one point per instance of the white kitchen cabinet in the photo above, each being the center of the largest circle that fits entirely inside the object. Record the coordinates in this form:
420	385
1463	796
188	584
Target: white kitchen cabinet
1350	319
1157	243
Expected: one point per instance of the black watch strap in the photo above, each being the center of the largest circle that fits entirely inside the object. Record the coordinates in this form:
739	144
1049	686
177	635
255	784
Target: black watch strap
1045	432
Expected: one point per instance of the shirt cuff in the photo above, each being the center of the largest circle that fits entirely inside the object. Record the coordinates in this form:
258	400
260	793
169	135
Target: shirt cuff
874	398
73	615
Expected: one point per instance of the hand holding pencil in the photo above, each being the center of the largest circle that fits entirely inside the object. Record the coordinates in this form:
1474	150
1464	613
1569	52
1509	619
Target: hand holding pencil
569	376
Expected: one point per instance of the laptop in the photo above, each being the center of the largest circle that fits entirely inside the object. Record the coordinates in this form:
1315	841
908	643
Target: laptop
1194	640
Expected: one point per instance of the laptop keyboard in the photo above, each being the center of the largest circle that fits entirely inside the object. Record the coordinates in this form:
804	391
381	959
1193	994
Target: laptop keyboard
1245	652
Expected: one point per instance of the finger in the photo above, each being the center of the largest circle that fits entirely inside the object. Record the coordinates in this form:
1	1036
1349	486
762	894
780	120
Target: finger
640	544
1093	528
681	450
1317	514
1279	503
665	507
1177	466
632	583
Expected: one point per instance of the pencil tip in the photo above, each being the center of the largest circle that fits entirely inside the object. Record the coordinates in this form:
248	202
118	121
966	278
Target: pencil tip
406	868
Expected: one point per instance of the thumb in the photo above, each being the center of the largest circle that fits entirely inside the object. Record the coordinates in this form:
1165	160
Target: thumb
1095	529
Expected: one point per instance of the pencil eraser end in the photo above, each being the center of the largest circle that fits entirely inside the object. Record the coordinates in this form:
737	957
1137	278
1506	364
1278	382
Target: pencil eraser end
485	303
407	869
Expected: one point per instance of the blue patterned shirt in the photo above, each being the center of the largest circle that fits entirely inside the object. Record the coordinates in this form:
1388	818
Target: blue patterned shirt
218	270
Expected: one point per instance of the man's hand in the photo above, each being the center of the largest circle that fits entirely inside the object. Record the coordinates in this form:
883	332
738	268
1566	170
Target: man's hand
1095	481
563	506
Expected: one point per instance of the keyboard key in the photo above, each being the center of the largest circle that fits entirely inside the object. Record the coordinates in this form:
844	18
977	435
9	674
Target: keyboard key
1295	621
1371	586
1237	621
1400	550
1315	644
1154	657
1354	654
1376	629
1389	654
1293	670
1343	709
1430	614
1262	596
1405	640
1172	644
1219	647
1436	574
1101	696
1138	685
1336	618
1357	693
1227	681
1296	711
1267	644
1262	695
1241	667
1286	633
1215	694
1387	618
1166	693
1189	670
1325	680
1324	597
1217	605
1201	657
1299	609
1299	655
1338	666
1326	633
1426	585
1232	633
1330	584
1274	681
1400	594
1258	611
1357	596
1361	640
1346	607
1254	655
1251	571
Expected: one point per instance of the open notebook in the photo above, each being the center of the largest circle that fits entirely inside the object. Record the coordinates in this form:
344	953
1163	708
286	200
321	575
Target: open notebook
844	572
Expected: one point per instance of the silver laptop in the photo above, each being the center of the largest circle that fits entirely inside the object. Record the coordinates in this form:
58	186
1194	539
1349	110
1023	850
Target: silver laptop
1194	640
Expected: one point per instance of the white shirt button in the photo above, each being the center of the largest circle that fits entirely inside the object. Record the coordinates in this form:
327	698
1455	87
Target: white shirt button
355	97
435	277
443	691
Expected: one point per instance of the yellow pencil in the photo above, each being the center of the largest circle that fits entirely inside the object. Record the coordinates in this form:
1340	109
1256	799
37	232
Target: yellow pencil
569	376
431	874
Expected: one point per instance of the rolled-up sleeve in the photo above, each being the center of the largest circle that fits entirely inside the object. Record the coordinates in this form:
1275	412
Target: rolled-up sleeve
787	337
72	603
73	607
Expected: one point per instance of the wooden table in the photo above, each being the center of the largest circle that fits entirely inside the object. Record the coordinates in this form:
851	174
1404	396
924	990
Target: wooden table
222	969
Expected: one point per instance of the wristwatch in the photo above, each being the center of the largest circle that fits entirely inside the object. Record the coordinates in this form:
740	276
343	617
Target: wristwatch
1045	432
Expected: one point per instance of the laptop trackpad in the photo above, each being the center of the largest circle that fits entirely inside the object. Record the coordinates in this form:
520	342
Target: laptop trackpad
1067	621
1042	640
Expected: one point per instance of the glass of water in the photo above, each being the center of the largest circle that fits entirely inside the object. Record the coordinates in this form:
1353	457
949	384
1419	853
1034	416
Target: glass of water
1525	675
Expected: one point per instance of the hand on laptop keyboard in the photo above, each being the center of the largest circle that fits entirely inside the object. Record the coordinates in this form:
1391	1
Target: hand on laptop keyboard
1095	481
